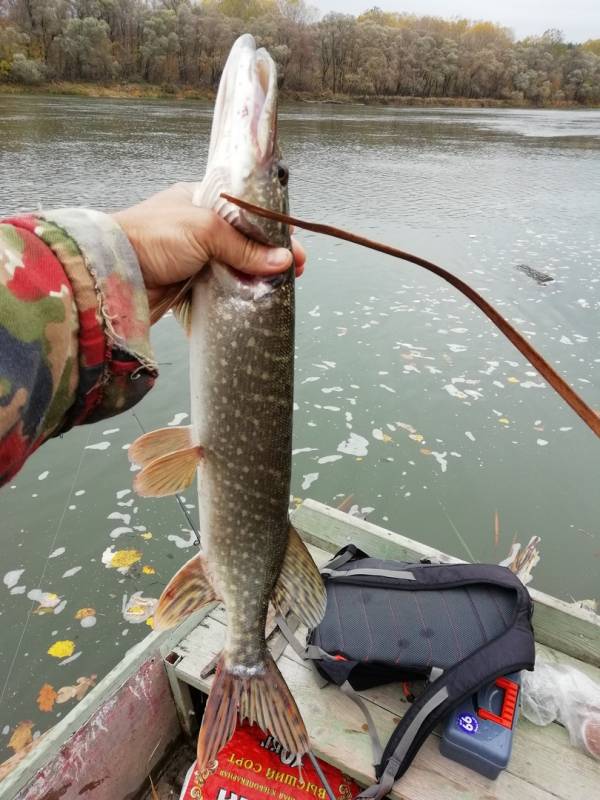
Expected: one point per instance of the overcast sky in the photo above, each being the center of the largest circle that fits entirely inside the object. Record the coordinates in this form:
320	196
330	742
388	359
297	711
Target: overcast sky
578	19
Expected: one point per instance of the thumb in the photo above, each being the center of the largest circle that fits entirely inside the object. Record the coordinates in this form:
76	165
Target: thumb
228	245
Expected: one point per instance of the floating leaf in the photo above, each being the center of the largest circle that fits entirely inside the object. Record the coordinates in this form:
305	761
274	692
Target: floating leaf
21	736
147	570
512	380
65	693
62	649
426	451
146	535
125	558
77	692
504	421
138	608
46	698
121	559
416	437
85	612
150	622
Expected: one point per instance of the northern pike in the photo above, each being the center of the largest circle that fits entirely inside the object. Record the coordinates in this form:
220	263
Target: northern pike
241	333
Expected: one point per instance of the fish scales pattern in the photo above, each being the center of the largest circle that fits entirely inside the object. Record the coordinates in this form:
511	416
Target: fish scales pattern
246	474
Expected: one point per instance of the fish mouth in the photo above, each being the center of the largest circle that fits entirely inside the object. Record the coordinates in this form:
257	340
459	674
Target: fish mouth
243	146
244	129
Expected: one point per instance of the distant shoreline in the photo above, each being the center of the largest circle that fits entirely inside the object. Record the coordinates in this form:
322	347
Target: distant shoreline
145	91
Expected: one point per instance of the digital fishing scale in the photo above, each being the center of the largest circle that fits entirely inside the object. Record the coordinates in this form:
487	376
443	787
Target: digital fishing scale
479	732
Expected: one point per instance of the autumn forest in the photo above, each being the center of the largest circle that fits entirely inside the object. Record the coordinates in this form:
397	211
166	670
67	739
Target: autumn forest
377	55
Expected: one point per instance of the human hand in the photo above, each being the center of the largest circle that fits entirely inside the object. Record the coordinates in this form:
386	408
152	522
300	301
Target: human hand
174	239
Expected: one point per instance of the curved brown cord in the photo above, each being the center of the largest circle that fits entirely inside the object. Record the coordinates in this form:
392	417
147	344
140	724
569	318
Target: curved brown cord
569	395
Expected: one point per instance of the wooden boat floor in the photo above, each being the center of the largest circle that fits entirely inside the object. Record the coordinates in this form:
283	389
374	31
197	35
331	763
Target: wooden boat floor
544	766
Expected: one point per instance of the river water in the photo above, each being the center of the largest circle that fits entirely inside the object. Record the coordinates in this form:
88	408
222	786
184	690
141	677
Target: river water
406	397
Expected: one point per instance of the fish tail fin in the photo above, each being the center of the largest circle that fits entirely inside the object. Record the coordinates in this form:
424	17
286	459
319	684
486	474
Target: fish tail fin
262	697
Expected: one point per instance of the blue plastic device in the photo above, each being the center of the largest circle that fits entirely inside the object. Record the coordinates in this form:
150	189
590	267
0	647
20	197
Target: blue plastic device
479	733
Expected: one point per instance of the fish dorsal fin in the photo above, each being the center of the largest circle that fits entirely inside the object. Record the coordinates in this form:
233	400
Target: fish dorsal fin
168	474
187	591
299	585
262	696
158	443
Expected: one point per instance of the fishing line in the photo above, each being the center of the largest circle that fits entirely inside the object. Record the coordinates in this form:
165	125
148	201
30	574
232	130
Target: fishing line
457	532
569	395
177	496
51	550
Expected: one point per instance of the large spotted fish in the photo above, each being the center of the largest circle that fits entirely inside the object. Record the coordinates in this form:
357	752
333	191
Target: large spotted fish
241	373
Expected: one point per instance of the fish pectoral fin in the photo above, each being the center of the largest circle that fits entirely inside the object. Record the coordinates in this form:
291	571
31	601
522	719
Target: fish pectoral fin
187	591
182	310
158	443
299	586
262	696
168	474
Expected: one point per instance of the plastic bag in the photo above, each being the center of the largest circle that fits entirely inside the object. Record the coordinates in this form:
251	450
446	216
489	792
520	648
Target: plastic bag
565	694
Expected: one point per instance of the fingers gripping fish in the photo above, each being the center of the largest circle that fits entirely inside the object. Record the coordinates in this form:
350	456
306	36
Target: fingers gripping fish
241	374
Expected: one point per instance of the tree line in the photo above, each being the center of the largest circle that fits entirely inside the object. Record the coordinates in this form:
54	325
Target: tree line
182	42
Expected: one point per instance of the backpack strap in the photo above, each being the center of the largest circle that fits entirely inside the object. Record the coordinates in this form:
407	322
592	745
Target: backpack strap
512	651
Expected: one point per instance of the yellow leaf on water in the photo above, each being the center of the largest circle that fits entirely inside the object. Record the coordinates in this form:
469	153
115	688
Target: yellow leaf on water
146	535
504	421
425	451
46	698
150	622
147	570
21	736
62	649
85	612
386	438
125	558
512	380
416	437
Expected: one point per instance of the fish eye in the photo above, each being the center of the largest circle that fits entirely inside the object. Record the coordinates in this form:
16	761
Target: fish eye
283	173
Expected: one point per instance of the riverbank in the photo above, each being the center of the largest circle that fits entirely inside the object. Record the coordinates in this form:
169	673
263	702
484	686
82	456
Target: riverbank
147	91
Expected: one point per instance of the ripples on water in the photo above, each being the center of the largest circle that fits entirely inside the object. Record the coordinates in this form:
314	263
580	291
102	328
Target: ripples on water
406	397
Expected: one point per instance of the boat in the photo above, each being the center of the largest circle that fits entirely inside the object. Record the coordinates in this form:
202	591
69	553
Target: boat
132	737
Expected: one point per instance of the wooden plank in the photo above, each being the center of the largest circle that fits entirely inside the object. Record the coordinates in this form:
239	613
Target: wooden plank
336	726
573	631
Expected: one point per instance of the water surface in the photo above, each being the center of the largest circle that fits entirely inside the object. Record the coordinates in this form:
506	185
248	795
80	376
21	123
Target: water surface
406	397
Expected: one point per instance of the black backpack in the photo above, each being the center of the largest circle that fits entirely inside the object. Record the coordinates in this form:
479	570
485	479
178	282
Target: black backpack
460	626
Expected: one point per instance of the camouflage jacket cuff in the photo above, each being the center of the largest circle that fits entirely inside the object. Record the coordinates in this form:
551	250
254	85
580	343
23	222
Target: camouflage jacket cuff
116	365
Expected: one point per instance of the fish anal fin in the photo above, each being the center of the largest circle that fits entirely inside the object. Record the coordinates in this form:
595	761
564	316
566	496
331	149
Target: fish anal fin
262	696
168	474
158	443
187	591
299	585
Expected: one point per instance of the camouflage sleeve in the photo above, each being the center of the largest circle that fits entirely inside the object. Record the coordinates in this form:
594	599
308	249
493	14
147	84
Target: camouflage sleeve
74	328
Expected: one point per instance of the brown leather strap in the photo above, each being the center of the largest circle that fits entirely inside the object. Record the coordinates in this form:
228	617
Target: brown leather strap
569	395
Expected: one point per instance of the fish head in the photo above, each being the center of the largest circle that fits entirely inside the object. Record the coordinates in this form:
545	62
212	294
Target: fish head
244	159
